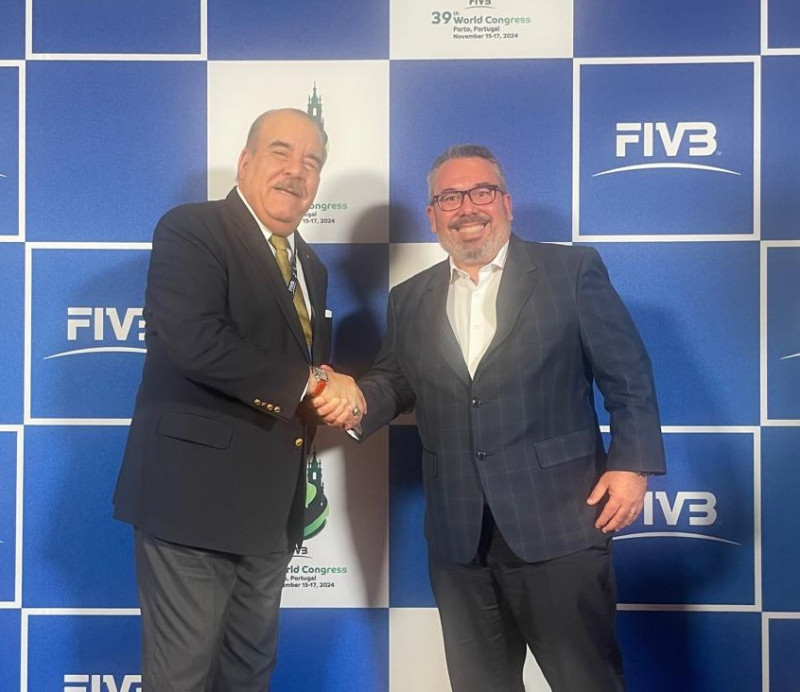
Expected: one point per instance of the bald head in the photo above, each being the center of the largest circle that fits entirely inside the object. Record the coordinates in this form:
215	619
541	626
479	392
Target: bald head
253	135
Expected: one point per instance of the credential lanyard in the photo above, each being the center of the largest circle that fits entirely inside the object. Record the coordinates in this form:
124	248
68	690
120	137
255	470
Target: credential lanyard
293	283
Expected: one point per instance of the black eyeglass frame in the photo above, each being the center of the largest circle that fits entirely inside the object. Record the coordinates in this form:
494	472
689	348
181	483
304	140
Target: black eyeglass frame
462	193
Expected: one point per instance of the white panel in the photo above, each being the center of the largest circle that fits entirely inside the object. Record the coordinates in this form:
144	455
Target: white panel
352	204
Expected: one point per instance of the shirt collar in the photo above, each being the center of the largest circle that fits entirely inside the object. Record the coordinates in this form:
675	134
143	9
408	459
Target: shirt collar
497	264
264	230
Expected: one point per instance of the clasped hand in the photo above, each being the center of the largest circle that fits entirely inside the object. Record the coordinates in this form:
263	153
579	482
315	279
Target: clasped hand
341	404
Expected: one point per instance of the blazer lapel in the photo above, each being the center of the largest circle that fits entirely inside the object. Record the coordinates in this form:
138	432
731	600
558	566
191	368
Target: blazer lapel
433	314
251	237
516	286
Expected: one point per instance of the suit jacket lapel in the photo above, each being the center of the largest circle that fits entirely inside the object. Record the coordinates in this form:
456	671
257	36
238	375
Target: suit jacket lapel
250	236
433	314
519	279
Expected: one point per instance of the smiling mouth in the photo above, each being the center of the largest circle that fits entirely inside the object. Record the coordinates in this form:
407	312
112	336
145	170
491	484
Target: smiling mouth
288	191
470	229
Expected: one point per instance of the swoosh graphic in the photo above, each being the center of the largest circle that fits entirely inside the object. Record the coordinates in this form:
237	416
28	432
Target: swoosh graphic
791	355
644	166
674	534
107	349
2	175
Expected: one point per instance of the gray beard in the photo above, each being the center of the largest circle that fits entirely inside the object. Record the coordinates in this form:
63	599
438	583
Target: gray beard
482	254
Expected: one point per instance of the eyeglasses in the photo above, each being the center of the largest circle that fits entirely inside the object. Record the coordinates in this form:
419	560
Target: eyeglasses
453	199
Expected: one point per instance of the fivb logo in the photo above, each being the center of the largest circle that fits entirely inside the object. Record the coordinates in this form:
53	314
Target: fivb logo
651	140
102	683
102	324
695	507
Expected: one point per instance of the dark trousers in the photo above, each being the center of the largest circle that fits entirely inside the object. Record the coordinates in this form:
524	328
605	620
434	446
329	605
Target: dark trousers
496	606
209	619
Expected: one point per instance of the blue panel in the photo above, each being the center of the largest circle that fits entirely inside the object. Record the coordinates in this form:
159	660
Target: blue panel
691	652
333	649
314	29
780	156
783	333
107	167
667	27
9	150
520	109
783	24
69	651
12	30
409	585
693	542
12	267
780	478
88	349
75	553
784	643
8	518
358	280
666	149
696	306
9	652
116	26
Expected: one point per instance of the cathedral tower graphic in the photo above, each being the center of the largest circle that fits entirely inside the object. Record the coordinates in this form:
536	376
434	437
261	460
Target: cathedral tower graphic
314	108
317	509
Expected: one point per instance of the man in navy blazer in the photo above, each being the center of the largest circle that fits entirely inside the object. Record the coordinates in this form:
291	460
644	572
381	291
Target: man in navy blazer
497	350
213	476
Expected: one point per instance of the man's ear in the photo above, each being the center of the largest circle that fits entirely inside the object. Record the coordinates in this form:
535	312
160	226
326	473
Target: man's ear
244	160
509	207
431	217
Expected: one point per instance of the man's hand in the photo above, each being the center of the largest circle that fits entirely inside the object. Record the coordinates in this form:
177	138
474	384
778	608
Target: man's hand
625	491
341	404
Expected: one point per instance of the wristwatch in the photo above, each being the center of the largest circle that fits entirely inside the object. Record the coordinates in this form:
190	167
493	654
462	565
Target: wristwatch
321	380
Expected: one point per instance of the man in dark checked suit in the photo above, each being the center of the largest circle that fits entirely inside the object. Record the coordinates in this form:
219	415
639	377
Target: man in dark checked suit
213	477
496	350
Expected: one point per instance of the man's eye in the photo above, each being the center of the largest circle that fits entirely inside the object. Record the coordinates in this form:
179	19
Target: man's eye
481	193
452	198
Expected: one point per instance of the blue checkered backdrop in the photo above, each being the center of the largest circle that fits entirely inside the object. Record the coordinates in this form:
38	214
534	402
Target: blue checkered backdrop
661	132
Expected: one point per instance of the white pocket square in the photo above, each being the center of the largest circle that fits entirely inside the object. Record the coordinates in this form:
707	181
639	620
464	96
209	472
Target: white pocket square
328	314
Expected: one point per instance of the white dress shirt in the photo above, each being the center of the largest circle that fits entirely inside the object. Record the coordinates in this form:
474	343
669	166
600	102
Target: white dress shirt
472	308
267	235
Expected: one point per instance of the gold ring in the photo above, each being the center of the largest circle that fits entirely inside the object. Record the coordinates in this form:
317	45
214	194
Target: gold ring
355	411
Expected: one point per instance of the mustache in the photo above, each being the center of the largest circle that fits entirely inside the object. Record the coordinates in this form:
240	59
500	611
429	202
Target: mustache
455	224
292	185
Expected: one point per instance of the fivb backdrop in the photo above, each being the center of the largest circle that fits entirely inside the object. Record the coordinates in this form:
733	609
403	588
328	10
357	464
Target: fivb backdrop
662	133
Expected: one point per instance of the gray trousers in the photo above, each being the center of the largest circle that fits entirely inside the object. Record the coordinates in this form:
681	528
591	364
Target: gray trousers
209	619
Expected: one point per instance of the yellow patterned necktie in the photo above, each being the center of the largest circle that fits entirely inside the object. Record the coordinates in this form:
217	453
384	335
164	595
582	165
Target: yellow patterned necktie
281	246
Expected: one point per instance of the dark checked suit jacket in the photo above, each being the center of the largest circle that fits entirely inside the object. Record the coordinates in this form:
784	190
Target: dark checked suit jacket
216	449
523	432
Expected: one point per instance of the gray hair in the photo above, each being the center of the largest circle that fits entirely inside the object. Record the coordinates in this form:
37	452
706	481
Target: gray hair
466	151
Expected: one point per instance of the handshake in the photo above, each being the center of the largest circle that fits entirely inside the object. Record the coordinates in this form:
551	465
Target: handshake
337	401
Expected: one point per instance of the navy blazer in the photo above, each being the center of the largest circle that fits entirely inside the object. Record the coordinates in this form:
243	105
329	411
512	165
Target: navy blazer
216	450
522	434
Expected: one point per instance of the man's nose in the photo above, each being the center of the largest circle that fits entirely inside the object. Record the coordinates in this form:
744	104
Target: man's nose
467	206
293	165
